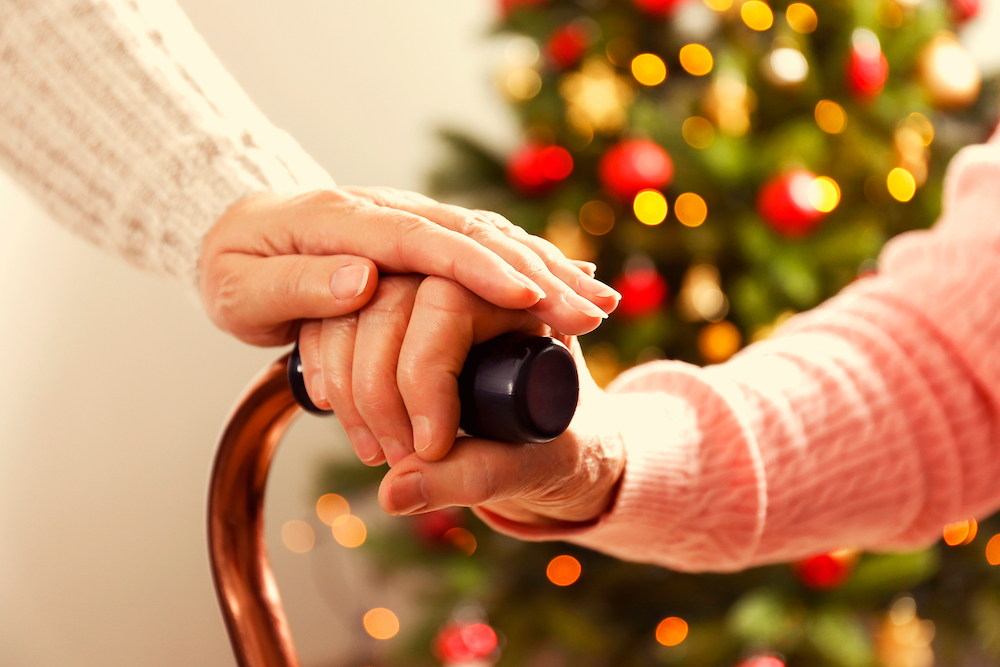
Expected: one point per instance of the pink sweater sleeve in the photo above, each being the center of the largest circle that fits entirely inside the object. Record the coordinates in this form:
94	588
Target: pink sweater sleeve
868	422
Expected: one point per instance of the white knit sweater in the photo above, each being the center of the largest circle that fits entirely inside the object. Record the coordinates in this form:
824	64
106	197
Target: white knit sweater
118	118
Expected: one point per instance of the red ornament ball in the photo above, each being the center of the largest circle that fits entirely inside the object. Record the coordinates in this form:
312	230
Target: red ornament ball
784	204
456	644
431	527
507	6
824	572
643	290
658	8
867	71
566	46
634	165
537	168
964	10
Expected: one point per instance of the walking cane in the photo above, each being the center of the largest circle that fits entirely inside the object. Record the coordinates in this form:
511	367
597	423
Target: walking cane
514	388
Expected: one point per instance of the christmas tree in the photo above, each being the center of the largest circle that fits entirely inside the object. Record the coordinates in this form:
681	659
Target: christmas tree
726	165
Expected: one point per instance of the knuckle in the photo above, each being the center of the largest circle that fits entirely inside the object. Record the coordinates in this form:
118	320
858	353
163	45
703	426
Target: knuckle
477	225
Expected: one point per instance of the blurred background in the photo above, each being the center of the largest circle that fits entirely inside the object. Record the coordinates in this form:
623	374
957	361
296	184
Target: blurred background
115	384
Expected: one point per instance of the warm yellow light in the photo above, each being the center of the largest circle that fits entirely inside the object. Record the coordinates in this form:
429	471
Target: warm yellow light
671	631
596	217
993	550
719	5
620	51
824	194
650	207
381	623
698	132
462	539
922	125
690	209
757	15
696	59
902	186
719	341
962	532
563	570
523	83
801	17
330	507
889	13
649	69
349	531
830	116
298	536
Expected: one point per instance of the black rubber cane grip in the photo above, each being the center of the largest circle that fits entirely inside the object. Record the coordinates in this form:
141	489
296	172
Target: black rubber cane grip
513	388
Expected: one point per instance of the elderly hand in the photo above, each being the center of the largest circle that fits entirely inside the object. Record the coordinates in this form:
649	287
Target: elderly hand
273	260
396	363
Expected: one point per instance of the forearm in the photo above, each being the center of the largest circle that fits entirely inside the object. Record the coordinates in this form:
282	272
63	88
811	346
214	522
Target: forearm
120	120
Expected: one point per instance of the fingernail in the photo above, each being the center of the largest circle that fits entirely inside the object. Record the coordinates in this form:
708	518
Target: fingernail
394	450
584	306
596	287
365	444
349	281
407	493
421	433
526	281
317	390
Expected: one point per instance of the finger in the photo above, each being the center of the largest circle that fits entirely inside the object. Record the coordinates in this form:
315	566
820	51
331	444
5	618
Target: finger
398	241
312	370
338	341
446	322
563	308
382	326
262	299
587	267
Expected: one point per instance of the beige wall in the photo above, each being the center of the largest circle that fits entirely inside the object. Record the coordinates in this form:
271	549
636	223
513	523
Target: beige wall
113	385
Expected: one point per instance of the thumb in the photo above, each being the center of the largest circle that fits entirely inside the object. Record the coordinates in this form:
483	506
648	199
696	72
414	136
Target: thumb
261	299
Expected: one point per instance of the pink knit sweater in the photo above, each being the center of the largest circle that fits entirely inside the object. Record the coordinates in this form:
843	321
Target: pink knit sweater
869	422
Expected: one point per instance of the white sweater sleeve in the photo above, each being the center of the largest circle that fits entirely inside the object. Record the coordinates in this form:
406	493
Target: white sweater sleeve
120	120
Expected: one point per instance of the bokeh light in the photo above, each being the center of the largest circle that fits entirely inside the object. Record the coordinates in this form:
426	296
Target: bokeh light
903	610
922	125
462	539
719	5
830	117
672	631
690	209
649	69
757	15
597	217
696	59
349	531
824	194
698	132
719	341
889	13
563	570
801	17
331	507
993	550
381	623
522	51
620	51
298	536
522	83
961	532
902	186
650	207
788	66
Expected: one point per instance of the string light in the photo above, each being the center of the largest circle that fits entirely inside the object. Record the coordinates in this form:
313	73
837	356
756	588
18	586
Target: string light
801	17
330	507
830	117
690	209
787	67
522	84
757	15
650	207
993	550
719	5
902	186
649	69
596	217
381	623
962	532
698	132
349	531
596	97
719	341
298	536
563	570
824	194
696	59
671	631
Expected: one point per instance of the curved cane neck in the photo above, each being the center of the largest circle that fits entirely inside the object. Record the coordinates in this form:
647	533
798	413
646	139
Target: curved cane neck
244	582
